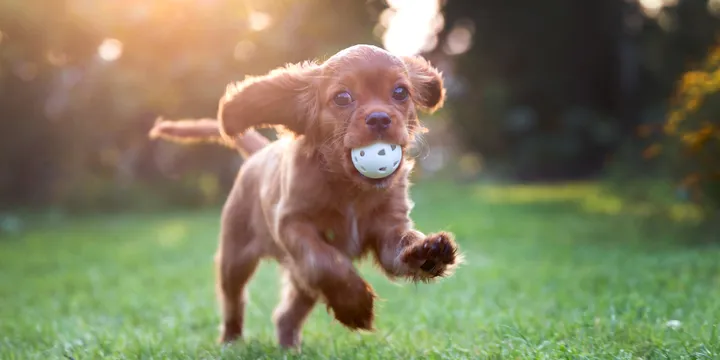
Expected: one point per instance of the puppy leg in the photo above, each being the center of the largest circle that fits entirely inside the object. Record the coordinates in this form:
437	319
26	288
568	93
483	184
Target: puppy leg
235	264
403	251
289	316
412	254
319	267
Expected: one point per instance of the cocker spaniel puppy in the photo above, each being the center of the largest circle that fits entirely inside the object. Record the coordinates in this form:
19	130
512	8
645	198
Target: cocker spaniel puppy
299	200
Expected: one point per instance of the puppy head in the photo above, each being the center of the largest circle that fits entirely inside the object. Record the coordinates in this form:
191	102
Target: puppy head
358	96
368	94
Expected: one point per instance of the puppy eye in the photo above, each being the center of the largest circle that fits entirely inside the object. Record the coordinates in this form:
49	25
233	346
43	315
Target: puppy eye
343	98
400	93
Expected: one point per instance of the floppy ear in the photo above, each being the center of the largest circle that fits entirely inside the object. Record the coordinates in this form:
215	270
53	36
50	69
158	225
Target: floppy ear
285	96
427	83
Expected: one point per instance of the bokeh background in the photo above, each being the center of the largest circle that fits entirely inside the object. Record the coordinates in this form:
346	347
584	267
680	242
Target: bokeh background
618	92
577	162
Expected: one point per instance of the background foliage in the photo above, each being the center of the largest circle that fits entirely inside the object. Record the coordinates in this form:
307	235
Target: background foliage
691	145
538	91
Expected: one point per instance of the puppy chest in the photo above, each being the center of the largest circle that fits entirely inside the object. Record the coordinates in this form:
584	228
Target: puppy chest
344	231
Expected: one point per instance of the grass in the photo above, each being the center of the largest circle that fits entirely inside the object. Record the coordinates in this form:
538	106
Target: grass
545	279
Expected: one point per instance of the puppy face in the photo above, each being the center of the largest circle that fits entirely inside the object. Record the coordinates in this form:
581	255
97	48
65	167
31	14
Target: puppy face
369	98
366	95
358	96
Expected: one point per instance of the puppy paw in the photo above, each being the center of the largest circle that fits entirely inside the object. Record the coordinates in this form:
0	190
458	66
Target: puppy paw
352	303
435	256
230	331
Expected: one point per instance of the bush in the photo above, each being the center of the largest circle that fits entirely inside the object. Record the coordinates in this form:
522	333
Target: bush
690	145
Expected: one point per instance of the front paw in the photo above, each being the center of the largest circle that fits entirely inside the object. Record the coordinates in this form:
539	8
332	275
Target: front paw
433	256
351	301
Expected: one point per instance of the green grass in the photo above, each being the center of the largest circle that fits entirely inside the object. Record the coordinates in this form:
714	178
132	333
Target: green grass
545	279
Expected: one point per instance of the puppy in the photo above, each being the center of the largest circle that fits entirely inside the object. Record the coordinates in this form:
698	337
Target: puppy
299	200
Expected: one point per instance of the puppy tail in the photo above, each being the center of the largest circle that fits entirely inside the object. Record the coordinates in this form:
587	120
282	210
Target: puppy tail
206	131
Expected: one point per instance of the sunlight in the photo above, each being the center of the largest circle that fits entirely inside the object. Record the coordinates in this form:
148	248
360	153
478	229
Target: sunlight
57	58
110	49
713	7
171	233
26	71
411	26
653	8
259	20
244	50
459	39
530	194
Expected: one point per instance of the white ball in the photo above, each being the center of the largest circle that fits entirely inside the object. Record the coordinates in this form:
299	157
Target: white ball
377	160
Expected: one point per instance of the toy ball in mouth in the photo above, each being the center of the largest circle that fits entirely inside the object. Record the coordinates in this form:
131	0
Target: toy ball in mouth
377	160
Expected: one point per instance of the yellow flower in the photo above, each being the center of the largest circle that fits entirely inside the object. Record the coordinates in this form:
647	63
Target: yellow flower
692	104
689	139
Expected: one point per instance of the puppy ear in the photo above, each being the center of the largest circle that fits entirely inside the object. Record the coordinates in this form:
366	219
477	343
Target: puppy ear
285	96
427	83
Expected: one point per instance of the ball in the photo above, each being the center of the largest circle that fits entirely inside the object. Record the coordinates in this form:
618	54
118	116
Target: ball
377	160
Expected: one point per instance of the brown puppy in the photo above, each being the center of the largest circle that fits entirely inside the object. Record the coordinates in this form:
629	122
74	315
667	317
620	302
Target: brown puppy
301	202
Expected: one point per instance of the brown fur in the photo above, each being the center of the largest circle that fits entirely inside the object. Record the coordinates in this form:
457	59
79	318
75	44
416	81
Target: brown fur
300	201
206	130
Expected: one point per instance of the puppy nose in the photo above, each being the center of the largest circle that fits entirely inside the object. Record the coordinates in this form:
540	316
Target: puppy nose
378	121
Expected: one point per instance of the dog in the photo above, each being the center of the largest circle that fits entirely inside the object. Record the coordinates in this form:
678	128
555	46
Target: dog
300	201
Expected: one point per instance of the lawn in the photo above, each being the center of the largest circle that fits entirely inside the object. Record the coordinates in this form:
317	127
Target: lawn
551	273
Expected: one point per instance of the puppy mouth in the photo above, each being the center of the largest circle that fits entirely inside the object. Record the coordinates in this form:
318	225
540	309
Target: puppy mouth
378	183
